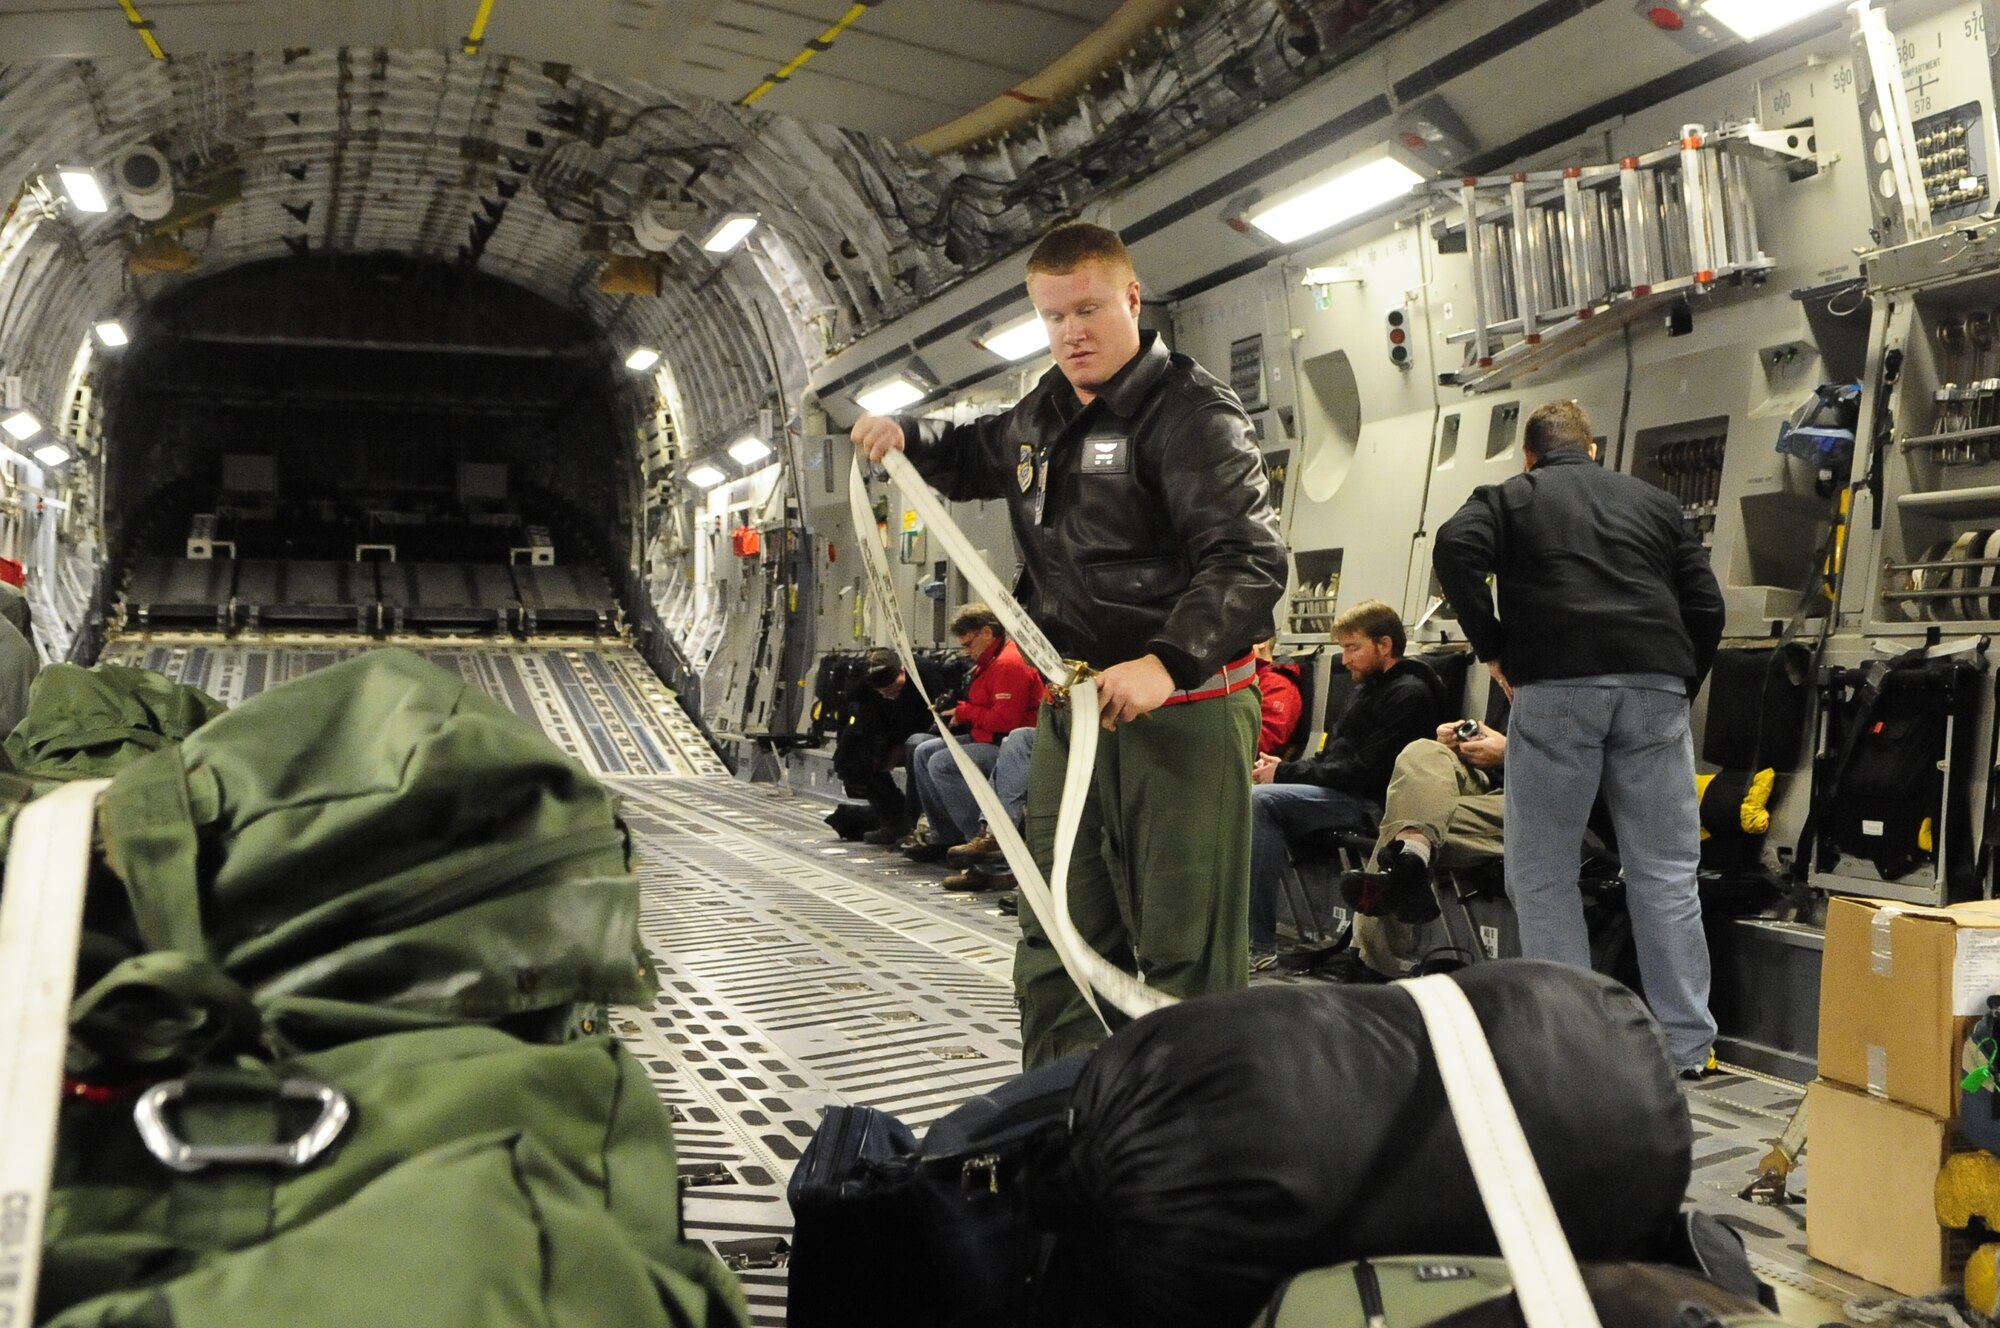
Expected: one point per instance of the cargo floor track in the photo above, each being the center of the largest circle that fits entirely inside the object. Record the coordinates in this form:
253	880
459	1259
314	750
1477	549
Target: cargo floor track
798	971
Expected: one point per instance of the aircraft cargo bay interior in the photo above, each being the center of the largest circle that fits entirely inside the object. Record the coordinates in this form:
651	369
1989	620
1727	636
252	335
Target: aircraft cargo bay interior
1000	662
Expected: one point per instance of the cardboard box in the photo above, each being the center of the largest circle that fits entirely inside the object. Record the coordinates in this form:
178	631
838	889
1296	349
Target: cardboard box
1899	988
1871	1166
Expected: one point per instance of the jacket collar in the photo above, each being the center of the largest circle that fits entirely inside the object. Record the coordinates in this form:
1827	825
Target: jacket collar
1407	667
1565	456
1128	388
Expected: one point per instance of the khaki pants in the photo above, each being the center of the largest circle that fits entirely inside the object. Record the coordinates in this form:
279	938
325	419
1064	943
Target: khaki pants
1433	792
1159	876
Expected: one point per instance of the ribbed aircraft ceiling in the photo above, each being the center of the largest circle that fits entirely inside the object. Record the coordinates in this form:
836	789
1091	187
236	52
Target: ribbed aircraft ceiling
301	129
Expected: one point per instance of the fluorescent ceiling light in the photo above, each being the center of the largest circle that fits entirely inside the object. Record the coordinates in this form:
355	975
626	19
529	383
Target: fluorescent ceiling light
1751	19
889	395
749	449
83	190
1345	196
705	476
1017	341
642	359
52	454
22	425
731	231
111	333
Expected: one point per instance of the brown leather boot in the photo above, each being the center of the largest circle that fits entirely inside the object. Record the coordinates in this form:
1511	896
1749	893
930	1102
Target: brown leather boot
972	850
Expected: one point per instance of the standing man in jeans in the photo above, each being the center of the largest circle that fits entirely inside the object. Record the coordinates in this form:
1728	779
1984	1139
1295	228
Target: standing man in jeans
1608	621
1151	553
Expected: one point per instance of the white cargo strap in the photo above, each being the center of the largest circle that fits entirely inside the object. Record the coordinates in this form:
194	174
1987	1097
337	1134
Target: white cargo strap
1093	974
973	568
41	924
1547	1281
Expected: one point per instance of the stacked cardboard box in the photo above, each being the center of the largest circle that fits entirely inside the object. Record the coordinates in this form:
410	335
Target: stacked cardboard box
1900	986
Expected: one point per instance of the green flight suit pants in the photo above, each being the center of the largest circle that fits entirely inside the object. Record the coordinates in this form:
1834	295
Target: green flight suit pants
1159	878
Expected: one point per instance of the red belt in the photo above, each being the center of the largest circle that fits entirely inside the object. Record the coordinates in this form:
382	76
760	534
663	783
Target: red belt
1231	677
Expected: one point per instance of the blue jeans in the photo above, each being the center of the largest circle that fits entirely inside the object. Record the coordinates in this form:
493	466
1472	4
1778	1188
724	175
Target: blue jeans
913	766
1564	743
954	812
1283	812
1010	772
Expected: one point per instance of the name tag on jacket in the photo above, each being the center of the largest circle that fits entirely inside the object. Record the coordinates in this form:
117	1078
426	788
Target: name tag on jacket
1106	454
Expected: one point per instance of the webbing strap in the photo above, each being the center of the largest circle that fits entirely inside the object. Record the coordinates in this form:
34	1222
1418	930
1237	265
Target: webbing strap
1547	1282
149	841
84	739
1091	971
226	1207
41	924
1034	646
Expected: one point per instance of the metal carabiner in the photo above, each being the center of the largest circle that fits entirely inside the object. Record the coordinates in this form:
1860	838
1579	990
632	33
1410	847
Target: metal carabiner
149	1114
1078	671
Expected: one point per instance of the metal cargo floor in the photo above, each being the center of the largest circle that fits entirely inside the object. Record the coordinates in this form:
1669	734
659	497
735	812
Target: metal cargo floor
798	971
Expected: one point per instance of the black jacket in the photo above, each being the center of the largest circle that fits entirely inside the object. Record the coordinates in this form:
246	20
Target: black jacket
1596	572
877	726
1389	712
1155	533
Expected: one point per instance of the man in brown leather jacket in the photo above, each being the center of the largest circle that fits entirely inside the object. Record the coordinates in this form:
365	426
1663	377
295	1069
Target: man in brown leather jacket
1149	551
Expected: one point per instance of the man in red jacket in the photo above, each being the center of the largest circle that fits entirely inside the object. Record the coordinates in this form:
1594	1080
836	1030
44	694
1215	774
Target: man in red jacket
1278	687
1004	694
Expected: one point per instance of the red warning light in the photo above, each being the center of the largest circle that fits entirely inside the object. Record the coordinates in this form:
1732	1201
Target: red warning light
1666	19
1397	337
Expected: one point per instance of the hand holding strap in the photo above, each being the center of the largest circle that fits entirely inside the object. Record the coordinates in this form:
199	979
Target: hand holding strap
1093	974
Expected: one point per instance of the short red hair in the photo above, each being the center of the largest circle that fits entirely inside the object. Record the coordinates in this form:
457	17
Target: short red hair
1072	244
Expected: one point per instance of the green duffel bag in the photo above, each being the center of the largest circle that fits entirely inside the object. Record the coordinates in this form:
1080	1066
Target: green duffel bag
477	1182
91	723
1454	1291
372	848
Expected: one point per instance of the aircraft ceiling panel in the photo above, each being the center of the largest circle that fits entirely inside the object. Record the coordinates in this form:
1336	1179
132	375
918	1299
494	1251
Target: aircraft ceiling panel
1021	35
278	24
1495	94
864	76
606	37
31	33
897	71
936	59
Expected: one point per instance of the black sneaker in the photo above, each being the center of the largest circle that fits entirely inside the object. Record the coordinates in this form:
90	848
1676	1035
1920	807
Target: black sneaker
1009	903
1696	1073
922	848
1400	888
1346	967
885	836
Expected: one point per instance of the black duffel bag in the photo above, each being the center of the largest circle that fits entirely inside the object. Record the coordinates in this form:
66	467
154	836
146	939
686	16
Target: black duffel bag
1222	1145
895	1234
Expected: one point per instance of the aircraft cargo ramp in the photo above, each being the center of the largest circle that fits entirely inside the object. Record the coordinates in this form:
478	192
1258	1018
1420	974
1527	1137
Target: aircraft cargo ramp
797	971
598	701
